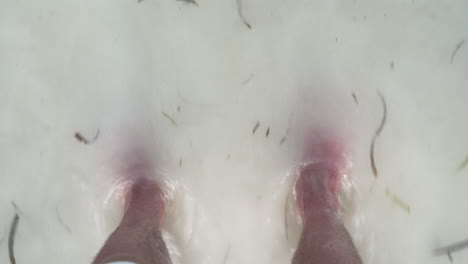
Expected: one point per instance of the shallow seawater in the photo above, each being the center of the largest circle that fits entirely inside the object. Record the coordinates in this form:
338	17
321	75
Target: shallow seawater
189	83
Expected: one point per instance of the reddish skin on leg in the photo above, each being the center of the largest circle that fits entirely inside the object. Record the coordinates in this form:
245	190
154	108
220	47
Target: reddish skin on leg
138	238
324	238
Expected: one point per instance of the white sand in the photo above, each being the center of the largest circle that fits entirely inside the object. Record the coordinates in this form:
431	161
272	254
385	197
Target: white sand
116	65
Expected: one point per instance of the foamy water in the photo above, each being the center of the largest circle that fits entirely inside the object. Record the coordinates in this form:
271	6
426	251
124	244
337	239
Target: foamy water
190	83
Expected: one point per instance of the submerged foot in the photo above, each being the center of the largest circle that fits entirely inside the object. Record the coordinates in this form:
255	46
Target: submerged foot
145	200
324	238
138	237
319	180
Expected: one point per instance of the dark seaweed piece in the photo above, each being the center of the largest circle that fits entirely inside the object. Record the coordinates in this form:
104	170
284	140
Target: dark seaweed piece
168	117
239	11
384	115
460	245
16	207
62	223
81	138
248	79
377	133
286	217
448	250
355	98
454	52
267	132
374	168
189	2
11	238
84	140
283	139
257	125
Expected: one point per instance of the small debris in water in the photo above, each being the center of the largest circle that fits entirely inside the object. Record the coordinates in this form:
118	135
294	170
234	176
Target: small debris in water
239	11
84	140
267	132
355	98
246	24
448	250
462	164
283	139
169	118
3	236
257	125
397	201
189	2
377	133
392	65
80	138
180	163
59	219
449	255
178	109
384	115
11	238
16	208
372	159
228	250
286	217
459	45
290	120
248	79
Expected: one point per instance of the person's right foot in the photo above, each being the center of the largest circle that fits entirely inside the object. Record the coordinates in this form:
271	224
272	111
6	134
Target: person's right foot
324	238
318	183
317	189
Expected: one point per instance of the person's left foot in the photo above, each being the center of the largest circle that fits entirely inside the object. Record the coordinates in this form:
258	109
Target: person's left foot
138	238
145	200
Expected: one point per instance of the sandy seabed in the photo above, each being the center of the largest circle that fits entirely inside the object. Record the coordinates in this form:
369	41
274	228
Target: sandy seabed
189	82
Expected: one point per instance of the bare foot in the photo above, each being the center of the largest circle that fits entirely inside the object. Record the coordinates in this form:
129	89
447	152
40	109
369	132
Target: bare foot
317	189
324	238
145	200
319	180
138	238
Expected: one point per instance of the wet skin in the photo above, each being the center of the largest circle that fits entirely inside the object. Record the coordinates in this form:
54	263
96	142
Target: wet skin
138	238
324	238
